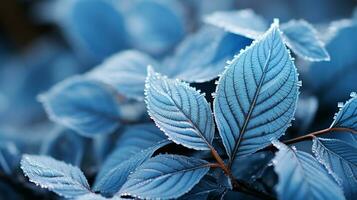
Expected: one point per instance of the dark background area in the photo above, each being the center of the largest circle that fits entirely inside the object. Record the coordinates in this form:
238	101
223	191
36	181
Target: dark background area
18	26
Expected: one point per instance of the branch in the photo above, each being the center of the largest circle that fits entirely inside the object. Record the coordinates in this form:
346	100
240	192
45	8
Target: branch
317	133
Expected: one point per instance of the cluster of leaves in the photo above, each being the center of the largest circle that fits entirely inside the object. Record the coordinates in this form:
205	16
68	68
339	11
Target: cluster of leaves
170	142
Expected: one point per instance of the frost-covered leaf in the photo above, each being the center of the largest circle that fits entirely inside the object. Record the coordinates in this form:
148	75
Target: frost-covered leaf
94	27
303	39
256	96
125	71
154	26
85	106
59	177
242	22
347	115
165	177
180	111
302	177
113	174
64	144
340	159
202	56
333	81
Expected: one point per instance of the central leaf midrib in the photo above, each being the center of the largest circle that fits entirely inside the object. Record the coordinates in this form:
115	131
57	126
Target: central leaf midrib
250	111
173	173
194	125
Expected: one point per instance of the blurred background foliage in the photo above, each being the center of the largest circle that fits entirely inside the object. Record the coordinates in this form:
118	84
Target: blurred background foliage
43	42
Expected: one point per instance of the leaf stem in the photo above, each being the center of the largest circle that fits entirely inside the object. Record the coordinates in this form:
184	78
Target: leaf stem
239	186
316	133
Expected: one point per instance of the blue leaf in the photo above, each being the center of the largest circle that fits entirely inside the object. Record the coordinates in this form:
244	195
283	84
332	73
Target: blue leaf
300	36
333	81
9	157
88	107
64	144
202	56
303	39
93	196
114	174
340	159
203	189
135	139
242	22
256	96
64	179
165	177
302	177
94	27
347	115
180	111
155	26
126	72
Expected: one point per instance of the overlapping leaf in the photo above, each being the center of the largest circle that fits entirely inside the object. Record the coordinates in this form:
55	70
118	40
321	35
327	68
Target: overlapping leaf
256	96
302	177
180	111
93	27
203	189
333	81
302	38
112	176
154	26
125	71
59	177
64	144
136	145
165	177
340	159
347	115
9	157
202	56
87	107
243	22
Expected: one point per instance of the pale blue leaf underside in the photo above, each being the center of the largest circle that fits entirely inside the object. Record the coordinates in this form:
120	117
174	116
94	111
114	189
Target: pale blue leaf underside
347	115
180	111
165	177
64	179
88	107
340	159
302	177
303	39
256	96
125	71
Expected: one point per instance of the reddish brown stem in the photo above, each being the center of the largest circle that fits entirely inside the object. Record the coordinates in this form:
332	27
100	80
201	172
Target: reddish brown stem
316	133
237	186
